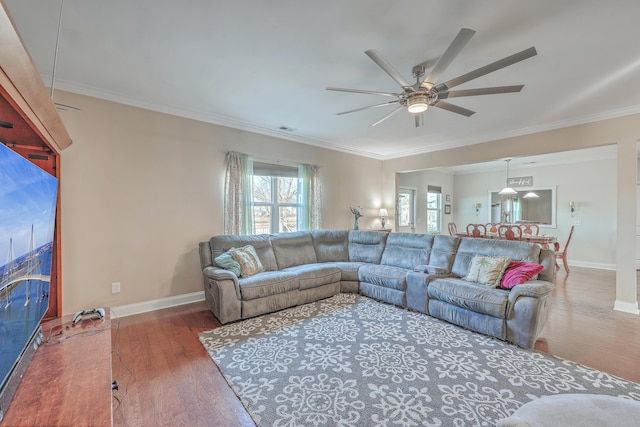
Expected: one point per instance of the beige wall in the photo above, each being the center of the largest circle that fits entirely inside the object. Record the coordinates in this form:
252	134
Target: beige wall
140	189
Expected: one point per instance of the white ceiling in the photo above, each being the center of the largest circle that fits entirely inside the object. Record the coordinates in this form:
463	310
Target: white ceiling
259	65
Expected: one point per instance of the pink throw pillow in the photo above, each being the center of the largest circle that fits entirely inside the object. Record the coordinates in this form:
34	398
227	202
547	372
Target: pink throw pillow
519	272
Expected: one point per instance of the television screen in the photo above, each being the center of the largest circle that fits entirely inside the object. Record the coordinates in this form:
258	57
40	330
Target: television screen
27	221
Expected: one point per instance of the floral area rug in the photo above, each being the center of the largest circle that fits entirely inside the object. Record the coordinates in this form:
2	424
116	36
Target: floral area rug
352	361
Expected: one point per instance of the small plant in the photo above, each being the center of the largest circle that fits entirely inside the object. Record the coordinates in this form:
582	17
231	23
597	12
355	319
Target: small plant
356	211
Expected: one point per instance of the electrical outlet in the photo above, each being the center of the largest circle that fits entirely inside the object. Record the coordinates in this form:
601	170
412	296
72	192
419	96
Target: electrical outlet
577	222
115	287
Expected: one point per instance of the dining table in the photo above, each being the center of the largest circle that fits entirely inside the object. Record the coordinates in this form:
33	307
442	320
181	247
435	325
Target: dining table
543	240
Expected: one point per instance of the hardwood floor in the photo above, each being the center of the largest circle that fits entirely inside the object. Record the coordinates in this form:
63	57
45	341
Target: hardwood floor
584	328
166	378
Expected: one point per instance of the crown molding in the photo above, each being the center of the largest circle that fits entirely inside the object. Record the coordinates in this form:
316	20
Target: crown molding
276	133
205	117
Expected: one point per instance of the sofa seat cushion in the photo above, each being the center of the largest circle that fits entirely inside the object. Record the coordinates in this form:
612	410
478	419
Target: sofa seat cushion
384	275
349	270
314	275
267	283
470	295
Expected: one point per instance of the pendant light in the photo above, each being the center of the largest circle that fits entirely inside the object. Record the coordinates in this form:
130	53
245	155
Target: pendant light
507	191
530	195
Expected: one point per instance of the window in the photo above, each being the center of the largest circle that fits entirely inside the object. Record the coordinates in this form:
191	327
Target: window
274	198
434	209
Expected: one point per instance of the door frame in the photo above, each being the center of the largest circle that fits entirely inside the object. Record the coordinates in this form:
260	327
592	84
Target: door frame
412	197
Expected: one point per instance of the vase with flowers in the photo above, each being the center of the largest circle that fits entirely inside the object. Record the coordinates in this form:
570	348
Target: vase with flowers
356	213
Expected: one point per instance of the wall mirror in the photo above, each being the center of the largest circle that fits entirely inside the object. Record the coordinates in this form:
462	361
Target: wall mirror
518	208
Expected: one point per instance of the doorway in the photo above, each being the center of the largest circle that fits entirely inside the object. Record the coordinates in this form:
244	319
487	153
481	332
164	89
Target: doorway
406	206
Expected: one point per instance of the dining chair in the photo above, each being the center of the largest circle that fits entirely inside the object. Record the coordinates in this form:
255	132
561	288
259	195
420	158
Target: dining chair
530	229
453	230
477	230
562	254
510	232
492	227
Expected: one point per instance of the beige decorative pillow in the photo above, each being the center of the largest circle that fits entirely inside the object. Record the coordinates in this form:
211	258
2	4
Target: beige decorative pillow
487	270
248	259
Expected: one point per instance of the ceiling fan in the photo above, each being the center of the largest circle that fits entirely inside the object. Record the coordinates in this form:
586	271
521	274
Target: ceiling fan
417	97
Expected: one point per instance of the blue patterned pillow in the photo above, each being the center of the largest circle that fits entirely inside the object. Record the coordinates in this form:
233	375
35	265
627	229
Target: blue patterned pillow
227	262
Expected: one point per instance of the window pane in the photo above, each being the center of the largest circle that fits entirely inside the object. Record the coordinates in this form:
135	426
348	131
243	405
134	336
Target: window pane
261	189
432	200
275	204
288	219
262	219
433	225
434	206
287	190
404	209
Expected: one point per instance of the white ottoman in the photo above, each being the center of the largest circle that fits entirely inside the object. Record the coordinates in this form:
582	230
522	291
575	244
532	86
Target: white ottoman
593	410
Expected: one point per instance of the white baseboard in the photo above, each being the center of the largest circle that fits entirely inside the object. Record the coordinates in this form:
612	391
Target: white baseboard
626	307
586	264
157	304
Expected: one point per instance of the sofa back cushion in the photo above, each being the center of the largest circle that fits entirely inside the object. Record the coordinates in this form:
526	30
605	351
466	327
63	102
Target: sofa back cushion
331	245
407	250
443	252
293	249
516	250
260	242
366	246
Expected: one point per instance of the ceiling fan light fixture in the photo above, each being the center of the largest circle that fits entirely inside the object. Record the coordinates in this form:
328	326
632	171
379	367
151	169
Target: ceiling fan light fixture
417	104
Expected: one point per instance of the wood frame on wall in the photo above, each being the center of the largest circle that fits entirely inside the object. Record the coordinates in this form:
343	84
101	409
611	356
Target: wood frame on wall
22	87
21	81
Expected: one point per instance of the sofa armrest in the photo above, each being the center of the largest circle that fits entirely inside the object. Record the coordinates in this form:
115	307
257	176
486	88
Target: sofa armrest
222	293
532	288
417	297
527	311
216	273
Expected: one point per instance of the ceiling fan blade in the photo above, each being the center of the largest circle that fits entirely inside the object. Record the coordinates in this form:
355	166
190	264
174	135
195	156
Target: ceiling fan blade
453	108
369	92
388	68
447	57
64	106
419	118
481	91
367	108
504	62
387	116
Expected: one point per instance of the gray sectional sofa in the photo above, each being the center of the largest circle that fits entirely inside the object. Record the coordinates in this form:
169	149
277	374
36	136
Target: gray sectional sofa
418	271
